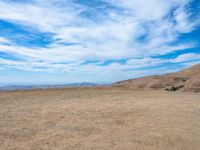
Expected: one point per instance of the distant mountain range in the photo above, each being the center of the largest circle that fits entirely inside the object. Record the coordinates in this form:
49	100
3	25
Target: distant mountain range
185	80
30	87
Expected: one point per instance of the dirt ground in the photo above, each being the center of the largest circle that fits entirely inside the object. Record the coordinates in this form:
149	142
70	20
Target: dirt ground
99	119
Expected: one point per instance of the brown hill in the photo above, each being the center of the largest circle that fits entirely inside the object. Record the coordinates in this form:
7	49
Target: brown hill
185	80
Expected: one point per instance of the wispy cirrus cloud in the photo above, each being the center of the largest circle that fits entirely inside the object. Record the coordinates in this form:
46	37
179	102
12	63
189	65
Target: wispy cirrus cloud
3	40
187	57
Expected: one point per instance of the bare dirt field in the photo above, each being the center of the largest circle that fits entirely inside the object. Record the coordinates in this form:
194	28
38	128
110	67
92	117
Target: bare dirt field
99	119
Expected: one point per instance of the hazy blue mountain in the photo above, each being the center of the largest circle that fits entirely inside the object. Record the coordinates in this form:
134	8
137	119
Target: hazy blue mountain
29	87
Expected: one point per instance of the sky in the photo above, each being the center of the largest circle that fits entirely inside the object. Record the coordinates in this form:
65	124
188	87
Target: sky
99	41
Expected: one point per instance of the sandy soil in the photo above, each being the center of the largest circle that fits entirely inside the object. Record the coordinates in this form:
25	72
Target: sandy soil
99	119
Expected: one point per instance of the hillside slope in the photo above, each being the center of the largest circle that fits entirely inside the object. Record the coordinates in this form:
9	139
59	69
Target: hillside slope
185	80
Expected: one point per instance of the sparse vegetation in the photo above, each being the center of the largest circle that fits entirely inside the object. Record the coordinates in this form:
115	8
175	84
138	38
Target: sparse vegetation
174	88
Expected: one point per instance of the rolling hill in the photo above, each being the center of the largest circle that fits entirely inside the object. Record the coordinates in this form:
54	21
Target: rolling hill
185	80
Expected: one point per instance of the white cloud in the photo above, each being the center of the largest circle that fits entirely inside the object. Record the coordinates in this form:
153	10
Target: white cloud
191	63
3	40
39	16
115	36
187	57
112	72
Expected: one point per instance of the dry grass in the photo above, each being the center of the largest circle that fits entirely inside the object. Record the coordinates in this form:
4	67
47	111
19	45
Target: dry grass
186	80
99	119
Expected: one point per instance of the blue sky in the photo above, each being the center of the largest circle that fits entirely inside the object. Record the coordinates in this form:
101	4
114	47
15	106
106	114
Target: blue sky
101	41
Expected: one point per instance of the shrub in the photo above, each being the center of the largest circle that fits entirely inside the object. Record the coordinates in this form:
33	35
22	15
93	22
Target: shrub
174	88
